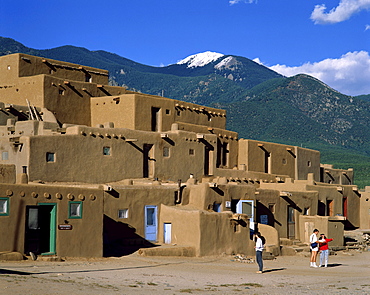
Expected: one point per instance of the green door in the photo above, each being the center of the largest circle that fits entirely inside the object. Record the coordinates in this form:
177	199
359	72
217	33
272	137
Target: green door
40	235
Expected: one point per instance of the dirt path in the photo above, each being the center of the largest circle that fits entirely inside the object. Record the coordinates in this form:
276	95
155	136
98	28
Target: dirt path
171	275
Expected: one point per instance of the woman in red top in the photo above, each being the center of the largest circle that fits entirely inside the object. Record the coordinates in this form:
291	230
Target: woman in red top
324	250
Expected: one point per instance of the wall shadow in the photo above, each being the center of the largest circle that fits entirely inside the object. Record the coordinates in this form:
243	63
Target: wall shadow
120	239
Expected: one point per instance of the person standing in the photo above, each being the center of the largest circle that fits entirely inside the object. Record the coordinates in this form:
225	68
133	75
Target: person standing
314	246
324	250
259	248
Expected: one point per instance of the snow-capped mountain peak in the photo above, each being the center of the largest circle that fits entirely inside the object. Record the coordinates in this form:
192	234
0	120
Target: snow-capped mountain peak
200	59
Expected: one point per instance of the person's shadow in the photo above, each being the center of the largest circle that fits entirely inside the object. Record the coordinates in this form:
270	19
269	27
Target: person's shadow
274	269
334	264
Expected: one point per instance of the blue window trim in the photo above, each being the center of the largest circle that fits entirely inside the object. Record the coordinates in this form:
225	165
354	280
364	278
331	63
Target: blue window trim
69	209
7	207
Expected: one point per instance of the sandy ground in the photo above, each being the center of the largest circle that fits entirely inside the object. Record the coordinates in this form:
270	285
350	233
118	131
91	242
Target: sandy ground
134	274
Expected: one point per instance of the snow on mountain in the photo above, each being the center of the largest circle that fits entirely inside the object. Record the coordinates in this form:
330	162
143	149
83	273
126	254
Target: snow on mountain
229	62
200	59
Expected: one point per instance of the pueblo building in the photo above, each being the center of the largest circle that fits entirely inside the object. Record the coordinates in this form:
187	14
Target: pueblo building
92	170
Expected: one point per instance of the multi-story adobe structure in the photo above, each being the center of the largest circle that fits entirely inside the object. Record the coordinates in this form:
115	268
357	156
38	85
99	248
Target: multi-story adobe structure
89	169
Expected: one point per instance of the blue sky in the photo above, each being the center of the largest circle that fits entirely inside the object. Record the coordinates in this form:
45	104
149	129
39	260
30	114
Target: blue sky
329	39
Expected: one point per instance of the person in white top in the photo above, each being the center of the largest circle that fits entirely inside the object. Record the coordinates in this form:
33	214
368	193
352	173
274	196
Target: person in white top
314	246
259	248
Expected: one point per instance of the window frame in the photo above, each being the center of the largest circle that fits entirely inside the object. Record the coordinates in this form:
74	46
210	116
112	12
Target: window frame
125	213
7	206
47	158
107	151
80	210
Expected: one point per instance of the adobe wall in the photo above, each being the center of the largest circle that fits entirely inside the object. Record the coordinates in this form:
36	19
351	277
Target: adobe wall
86	232
336	176
131	230
210	233
24	65
331	227
307	162
120	110
254	155
365	208
139	109
17	91
7	173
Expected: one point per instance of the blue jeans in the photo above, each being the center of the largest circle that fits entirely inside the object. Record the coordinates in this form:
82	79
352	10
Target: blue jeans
324	256
259	260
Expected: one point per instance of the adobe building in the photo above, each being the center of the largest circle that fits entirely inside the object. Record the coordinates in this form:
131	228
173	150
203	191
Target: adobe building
92	170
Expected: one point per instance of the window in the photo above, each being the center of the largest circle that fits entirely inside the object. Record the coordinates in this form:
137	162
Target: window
191	152
88	78
309	163
306	211
4	156
123	213
8	67
168	112
217	207
4	206
166	152
75	210
50	157
61	91
272	208
284	161
106	151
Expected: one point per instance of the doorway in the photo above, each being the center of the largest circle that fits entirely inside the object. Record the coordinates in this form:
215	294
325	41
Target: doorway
156	119
291	223
167	233
40	229
151	223
208	160
148	160
247	207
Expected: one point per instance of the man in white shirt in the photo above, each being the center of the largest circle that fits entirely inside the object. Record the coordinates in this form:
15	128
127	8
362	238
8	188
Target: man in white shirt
314	246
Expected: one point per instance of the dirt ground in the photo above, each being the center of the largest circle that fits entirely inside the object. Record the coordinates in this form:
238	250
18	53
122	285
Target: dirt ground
347	273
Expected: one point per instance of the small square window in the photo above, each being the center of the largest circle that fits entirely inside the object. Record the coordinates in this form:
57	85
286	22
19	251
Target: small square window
191	152
123	213
50	157
166	152
5	156
309	164
75	210
61	91
4	206
168	112
88	78
106	151
306	211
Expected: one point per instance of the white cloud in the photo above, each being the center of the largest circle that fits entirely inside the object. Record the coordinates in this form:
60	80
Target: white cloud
349	74
232	2
367	27
342	12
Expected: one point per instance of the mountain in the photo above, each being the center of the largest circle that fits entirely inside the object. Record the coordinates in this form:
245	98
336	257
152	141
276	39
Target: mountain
261	104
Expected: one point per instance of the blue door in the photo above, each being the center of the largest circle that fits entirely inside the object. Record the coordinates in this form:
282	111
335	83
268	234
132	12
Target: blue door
151	223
